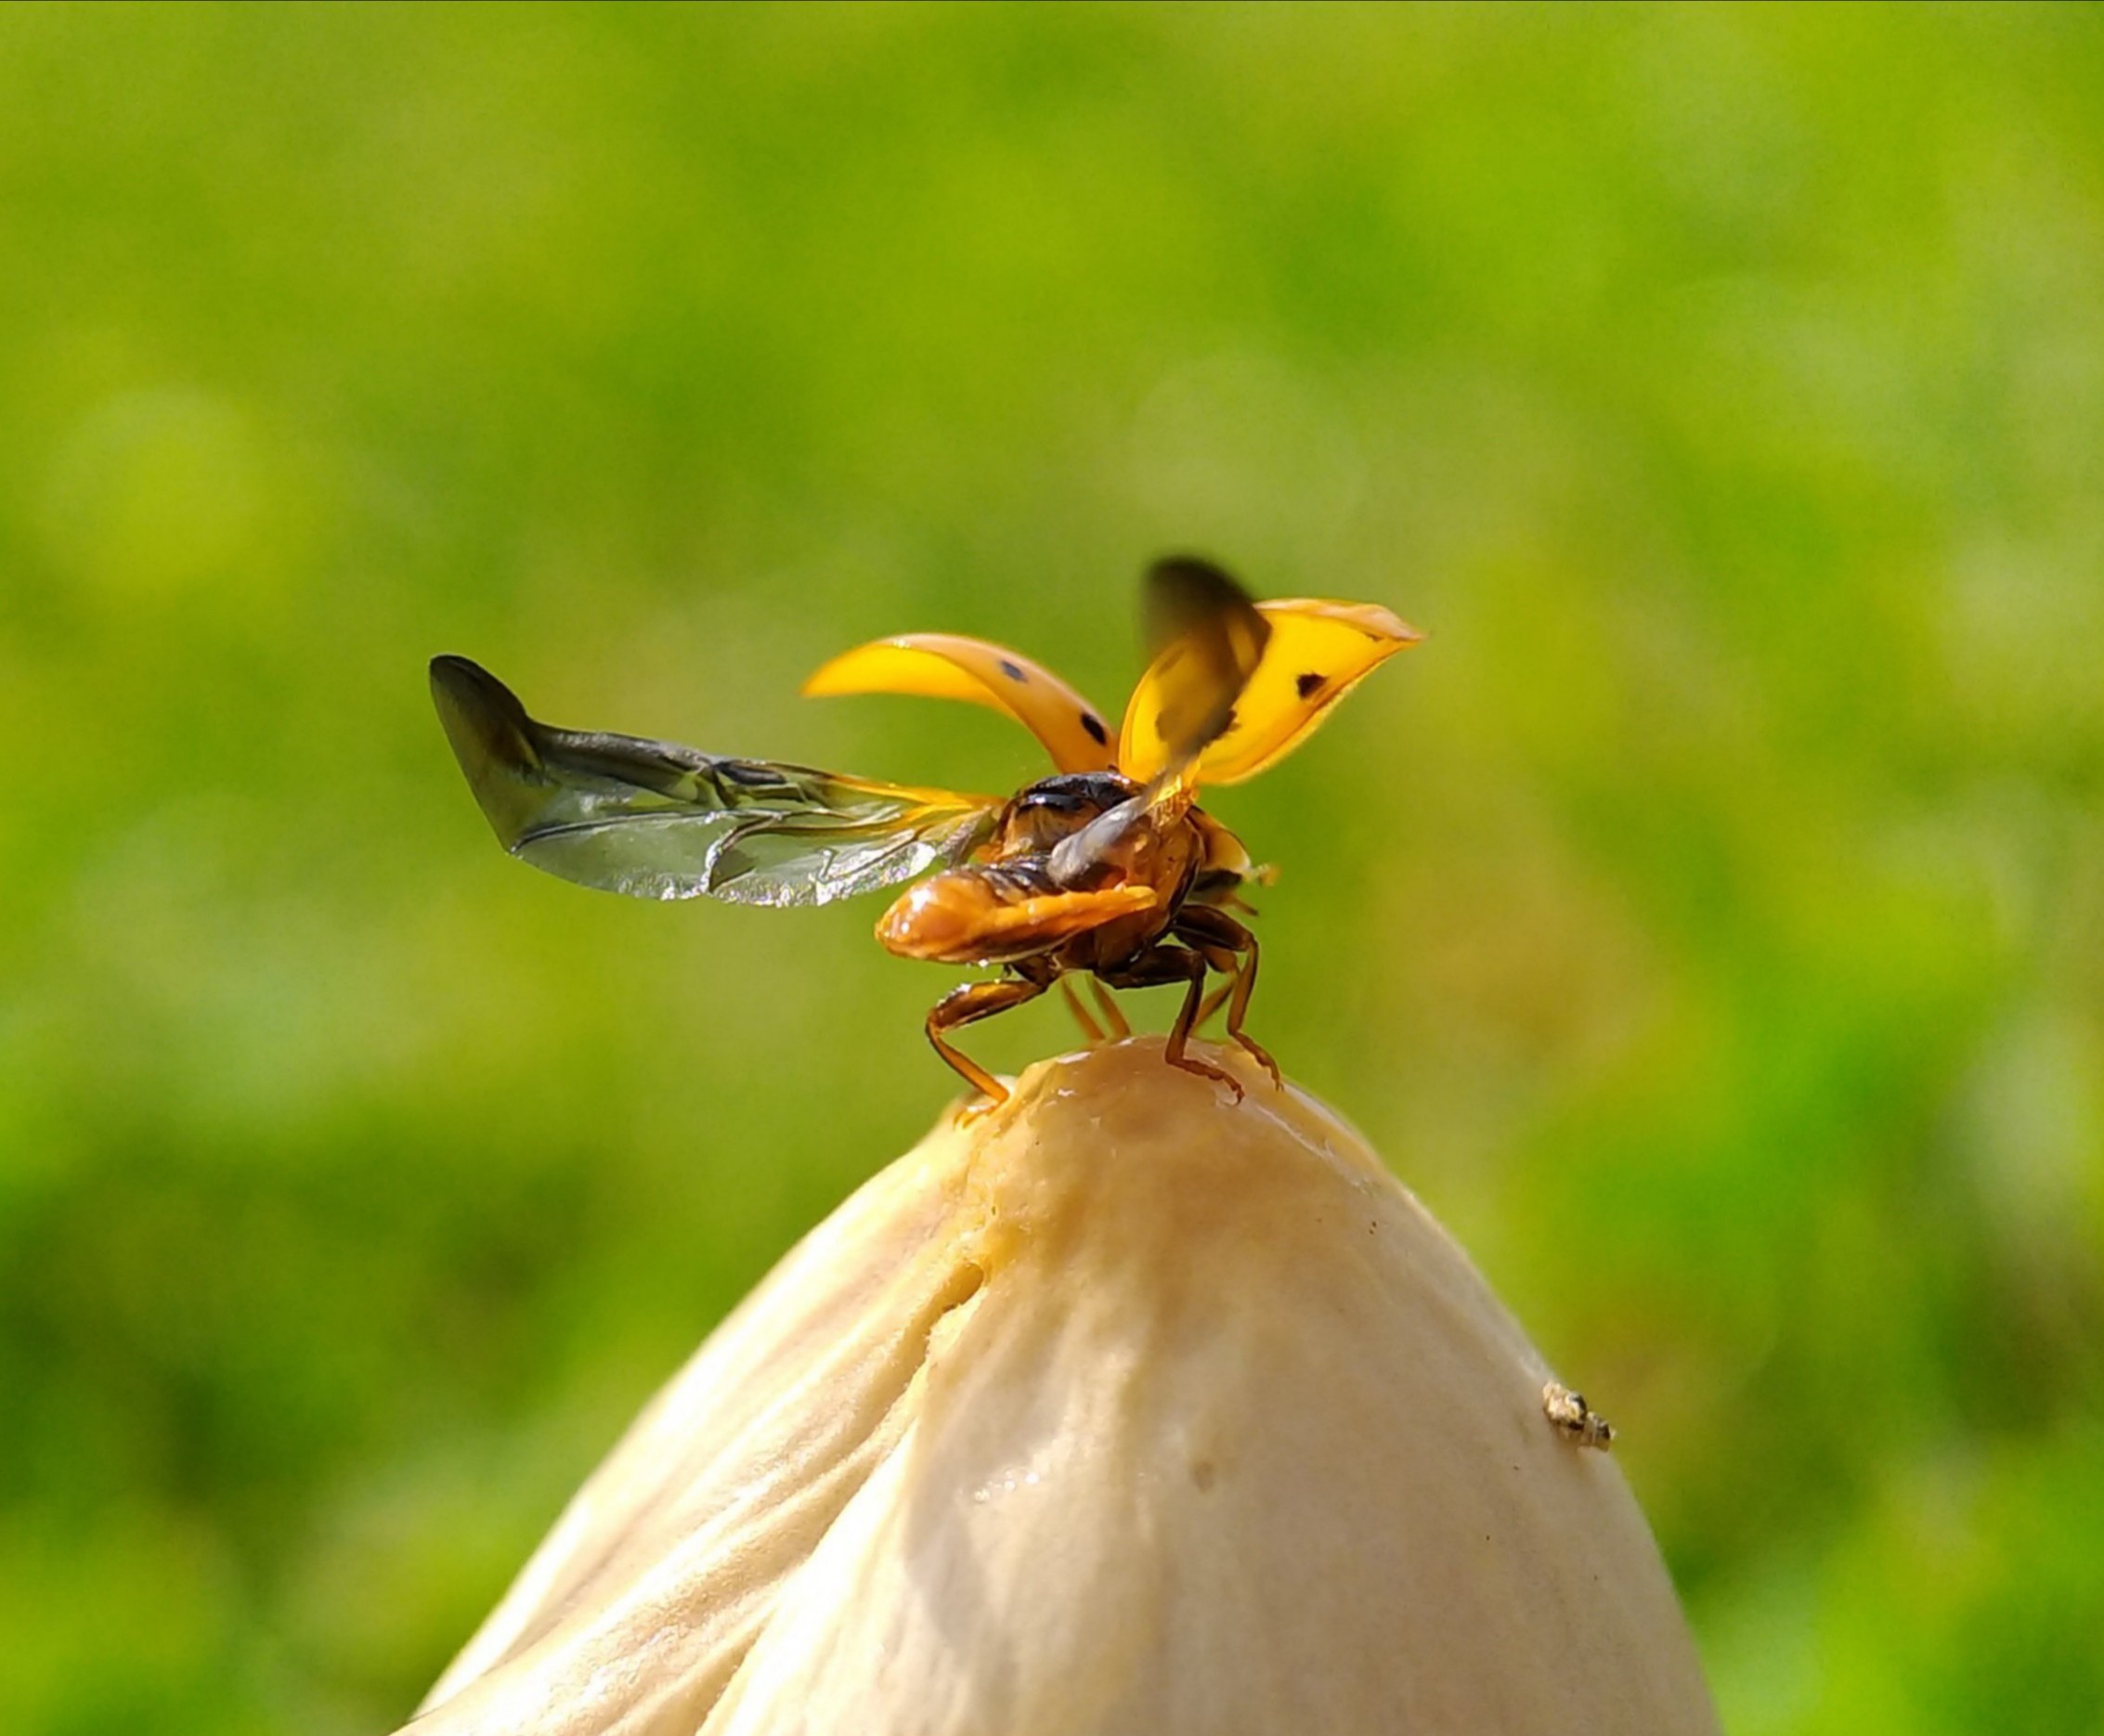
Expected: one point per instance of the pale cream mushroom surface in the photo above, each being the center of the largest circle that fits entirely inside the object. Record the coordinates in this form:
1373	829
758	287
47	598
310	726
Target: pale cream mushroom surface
1124	1407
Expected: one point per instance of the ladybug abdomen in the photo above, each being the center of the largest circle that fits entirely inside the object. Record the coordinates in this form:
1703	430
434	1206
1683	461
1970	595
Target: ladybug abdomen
995	913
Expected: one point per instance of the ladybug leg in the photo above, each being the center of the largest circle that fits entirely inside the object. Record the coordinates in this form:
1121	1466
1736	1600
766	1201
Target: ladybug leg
1213	930
1090	1028
1173	963
1113	1016
967	1005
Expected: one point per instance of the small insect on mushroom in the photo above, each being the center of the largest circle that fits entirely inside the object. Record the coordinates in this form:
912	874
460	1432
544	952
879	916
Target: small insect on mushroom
1107	868
1574	1418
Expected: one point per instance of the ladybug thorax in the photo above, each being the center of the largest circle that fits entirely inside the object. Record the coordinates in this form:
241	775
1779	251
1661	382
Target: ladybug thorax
1055	807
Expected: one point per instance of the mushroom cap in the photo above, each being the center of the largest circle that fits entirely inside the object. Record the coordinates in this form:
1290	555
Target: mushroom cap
1123	1407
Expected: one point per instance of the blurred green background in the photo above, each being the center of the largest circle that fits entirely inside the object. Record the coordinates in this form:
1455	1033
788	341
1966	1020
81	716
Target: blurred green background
1708	921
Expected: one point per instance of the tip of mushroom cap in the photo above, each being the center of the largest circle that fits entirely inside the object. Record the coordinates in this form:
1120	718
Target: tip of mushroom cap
1122	1405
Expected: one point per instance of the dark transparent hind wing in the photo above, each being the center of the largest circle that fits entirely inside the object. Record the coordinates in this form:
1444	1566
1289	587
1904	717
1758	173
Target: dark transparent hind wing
656	819
1204	640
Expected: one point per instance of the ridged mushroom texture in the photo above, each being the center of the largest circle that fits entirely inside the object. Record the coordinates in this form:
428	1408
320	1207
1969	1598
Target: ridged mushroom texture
1124	1407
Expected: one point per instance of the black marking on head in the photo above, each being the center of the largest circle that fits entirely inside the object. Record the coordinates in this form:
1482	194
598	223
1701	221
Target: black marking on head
1094	725
1058	801
1072	792
1308	685
1013	671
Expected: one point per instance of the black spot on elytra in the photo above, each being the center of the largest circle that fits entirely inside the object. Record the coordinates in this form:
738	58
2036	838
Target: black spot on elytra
1094	725
1013	671
1305	685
